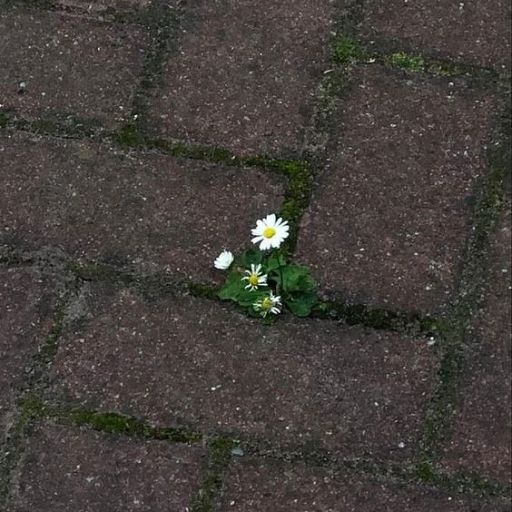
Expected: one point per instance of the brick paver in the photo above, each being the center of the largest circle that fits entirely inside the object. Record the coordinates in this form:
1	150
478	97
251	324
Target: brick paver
264	486
389	217
148	209
481	439
472	32
101	6
54	64
245	77
401	169
66	469
26	308
190	362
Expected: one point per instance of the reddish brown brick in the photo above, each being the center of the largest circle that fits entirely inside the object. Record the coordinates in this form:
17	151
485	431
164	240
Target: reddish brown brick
25	317
390	215
195	363
53	63
145	209
68	469
481	439
245	76
263	486
472	32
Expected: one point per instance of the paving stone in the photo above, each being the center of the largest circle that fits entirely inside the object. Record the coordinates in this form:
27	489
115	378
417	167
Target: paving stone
101	6
389	217
245	75
56	64
473	32
481	439
67	469
25	317
263	486
194	363
144	208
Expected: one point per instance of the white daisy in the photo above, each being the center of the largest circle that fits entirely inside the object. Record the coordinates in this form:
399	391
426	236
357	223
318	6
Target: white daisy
255	278
270	304
224	260
270	232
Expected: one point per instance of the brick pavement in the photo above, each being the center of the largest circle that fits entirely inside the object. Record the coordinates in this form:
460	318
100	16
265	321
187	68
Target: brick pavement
140	138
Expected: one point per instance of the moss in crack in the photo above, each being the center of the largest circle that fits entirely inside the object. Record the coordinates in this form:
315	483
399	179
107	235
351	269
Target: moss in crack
129	136
220	450
162	21
469	484
204	291
411	63
5	120
347	50
441	407
377	318
471	282
114	423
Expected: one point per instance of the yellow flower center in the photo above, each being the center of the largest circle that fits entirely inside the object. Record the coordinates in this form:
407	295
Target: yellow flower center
267	303
253	280
269	232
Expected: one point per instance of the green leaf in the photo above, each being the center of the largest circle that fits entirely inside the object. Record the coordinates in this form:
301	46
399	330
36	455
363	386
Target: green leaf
248	297
274	261
301	304
232	288
296	279
251	257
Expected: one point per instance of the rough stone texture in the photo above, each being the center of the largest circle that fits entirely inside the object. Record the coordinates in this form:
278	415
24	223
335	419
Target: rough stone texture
68	469
194	363
146	209
389	217
481	440
245	75
262	486
470	31
101	6
25	318
69	65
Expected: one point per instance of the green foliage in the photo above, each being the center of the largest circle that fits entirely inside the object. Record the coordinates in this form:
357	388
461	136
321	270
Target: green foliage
413	63
347	50
292	283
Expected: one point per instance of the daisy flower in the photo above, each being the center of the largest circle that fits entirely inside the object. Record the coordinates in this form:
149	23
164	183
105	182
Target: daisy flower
224	260
269	304
270	232
254	278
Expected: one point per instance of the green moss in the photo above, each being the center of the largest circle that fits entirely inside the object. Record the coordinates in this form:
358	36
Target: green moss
378	318
347	50
203	291
113	423
129	136
219	455
5	120
412	63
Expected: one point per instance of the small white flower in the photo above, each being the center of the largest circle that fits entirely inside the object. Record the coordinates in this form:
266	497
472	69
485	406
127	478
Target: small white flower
270	232
255	278
270	304
224	260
